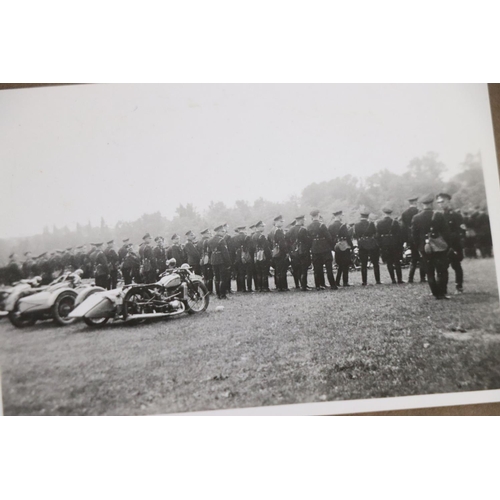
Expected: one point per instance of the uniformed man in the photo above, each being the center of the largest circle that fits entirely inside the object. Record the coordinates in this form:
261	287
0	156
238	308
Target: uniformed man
44	267
175	251
389	240
131	266
342	245
321	250
240	256
291	238
122	252
192	253
220	261
469	241
113	263
147	258
262	258
79	257
55	264
365	234
456	226
406	219
101	269
205	260
231	249
279	254
484	239
27	266
160	257
425	224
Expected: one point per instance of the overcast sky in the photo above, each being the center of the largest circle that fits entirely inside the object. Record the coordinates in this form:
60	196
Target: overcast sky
74	154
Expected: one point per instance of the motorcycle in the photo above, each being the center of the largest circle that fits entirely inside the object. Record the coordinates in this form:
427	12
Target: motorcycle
178	290
54	301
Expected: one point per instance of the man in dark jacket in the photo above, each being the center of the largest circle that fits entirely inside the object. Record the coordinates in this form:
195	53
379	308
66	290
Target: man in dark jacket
342	245
321	250
425	224
131	266
406	219
365	233
101	271
239	257
192	253
14	272
291	238
220	261
262	258
455	223
147	260
27	266
279	254
175	251
389	241
112	258
206	266
159	257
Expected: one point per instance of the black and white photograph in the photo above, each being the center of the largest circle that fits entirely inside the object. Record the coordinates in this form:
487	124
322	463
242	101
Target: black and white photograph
247	248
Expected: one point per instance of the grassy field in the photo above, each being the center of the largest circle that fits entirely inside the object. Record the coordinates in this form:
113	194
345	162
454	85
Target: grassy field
263	349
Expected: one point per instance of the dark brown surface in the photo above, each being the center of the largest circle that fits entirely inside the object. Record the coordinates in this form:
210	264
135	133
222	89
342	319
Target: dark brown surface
462	410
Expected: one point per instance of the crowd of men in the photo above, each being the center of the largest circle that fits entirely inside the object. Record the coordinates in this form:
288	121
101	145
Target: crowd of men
249	255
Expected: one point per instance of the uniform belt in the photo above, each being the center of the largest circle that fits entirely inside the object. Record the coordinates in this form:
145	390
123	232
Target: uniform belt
318	239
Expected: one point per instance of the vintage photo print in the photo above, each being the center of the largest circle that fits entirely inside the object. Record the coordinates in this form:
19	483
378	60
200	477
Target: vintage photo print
251	249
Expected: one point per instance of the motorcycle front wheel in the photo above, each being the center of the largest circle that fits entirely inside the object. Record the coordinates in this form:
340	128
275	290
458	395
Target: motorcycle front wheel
95	322
63	305
198	299
17	319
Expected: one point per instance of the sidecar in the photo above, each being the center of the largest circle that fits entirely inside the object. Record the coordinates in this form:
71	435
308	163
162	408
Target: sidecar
99	306
54	301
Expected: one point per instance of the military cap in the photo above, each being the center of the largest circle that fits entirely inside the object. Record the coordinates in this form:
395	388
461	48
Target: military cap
387	210
443	196
125	240
429	198
300	217
252	226
158	238
276	219
42	255
205	231
92	244
291	224
219	228
81	246
412	200
174	236
337	213
62	251
26	253
189	233
98	244
11	255
241	228
314	213
259	224
69	249
147	235
110	242
364	213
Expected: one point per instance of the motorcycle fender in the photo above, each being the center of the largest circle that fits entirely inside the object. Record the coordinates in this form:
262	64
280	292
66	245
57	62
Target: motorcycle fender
14	296
35	303
196	279
86	292
96	305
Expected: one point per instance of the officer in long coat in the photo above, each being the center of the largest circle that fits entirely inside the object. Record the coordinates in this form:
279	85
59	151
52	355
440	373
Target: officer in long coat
455	223
430	223
321	250
123	250
131	266
389	240
365	233
159	257
192	253
406	220
341	238
279	251
205	260
147	260
113	263
220	261
240	255
291	238
262	258
302	251
231	249
101	270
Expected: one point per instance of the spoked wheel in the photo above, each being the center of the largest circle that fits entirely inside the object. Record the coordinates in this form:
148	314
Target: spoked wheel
133	303
95	322
63	305
20	321
198	299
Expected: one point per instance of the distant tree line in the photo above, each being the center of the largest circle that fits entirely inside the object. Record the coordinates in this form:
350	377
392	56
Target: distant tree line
350	194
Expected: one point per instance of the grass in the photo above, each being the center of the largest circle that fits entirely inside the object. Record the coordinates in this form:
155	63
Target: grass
263	349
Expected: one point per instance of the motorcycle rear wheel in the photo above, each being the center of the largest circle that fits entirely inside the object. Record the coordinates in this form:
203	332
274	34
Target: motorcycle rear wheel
63	305
130	306
197	303
95	322
16	318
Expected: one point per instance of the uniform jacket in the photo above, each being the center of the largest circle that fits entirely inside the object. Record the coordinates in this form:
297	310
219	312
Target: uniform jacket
28	268
193	254
177	253
122	253
101	264
320	236
406	218
131	260
219	251
364	229
160	258
112	258
454	221
421	226
239	247
388	232
260	242
277	239
339	231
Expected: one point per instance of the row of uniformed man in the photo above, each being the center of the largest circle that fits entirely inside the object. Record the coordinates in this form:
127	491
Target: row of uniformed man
249	254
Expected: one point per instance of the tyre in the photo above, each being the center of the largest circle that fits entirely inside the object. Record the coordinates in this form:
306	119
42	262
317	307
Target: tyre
63	305
133	303
18	320
198	299
95	322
